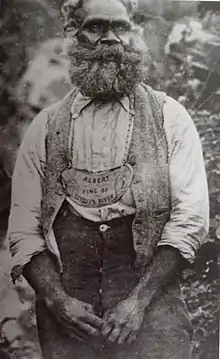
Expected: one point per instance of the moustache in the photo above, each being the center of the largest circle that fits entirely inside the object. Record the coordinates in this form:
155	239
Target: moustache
100	52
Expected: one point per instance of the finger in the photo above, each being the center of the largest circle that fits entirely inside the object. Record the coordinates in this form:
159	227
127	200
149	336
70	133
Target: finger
89	308
132	337
77	337
108	323
88	328
125	333
94	320
73	332
106	315
66	320
87	317
70	325
70	328
79	327
106	329
115	334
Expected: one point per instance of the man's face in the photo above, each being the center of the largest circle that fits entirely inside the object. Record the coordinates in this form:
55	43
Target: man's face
106	23
107	56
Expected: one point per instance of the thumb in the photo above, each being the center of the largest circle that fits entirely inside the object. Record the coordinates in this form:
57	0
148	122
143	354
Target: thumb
107	314
89	308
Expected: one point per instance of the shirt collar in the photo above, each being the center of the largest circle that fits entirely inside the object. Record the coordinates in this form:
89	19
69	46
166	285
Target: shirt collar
80	102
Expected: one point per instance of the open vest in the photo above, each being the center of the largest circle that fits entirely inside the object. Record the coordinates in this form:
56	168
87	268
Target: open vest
147	154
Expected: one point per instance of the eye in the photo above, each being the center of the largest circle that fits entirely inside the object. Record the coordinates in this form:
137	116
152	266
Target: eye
122	27
95	27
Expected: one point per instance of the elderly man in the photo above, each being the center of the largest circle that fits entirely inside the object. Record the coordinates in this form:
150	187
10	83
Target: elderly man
109	200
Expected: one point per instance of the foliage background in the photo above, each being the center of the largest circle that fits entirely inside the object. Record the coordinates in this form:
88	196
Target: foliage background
33	75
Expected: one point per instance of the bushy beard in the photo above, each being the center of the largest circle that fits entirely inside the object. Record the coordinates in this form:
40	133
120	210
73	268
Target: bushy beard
106	71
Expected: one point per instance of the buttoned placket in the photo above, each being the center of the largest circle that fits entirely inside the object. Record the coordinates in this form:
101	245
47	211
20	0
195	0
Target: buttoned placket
103	229
75	113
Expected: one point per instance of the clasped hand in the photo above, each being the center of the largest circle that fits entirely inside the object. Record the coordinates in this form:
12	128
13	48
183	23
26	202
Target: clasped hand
122	323
119	324
76	317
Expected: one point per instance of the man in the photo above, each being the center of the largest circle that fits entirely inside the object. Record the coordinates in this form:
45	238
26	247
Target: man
109	200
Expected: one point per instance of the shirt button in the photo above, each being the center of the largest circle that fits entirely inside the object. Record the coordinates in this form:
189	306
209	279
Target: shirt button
103	227
65	213
100	291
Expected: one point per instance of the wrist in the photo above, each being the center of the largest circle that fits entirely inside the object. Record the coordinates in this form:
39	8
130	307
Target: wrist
55	297
143	296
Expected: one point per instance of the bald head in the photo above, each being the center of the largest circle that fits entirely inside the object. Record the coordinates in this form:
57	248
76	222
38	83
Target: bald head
130	5
79	10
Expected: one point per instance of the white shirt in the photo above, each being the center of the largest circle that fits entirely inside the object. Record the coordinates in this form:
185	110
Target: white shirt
189	220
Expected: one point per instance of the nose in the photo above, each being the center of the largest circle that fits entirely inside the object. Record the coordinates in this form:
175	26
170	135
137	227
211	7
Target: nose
110	38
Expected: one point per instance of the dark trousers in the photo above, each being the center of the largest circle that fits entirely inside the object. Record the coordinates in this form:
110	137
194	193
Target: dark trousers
98	268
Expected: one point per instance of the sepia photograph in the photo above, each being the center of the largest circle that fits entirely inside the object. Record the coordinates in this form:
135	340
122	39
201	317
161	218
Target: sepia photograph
109	179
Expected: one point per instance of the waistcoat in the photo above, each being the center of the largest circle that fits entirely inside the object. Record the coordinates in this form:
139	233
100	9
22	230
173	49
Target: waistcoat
147	154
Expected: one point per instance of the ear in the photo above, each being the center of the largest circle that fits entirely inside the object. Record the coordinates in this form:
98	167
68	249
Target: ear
69	5
73	13
138	29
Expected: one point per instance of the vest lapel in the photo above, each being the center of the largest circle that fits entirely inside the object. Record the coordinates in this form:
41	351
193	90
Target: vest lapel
57	158
147	154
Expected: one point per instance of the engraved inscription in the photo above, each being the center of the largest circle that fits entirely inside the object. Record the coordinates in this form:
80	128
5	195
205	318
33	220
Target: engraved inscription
97	189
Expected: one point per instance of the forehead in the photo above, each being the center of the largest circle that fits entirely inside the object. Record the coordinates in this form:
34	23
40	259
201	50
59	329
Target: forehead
106	9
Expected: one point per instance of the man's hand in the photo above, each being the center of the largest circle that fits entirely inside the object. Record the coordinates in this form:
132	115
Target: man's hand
77	318
123	322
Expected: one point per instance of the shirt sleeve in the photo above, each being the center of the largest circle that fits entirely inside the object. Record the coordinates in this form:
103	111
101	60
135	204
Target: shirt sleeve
23	234
188	226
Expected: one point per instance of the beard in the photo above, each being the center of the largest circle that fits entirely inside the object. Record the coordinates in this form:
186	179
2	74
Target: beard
106	71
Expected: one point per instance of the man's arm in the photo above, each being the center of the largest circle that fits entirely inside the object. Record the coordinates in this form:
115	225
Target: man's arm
123	322
30	254
166	266
23	233
187	228
76	317
184	233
